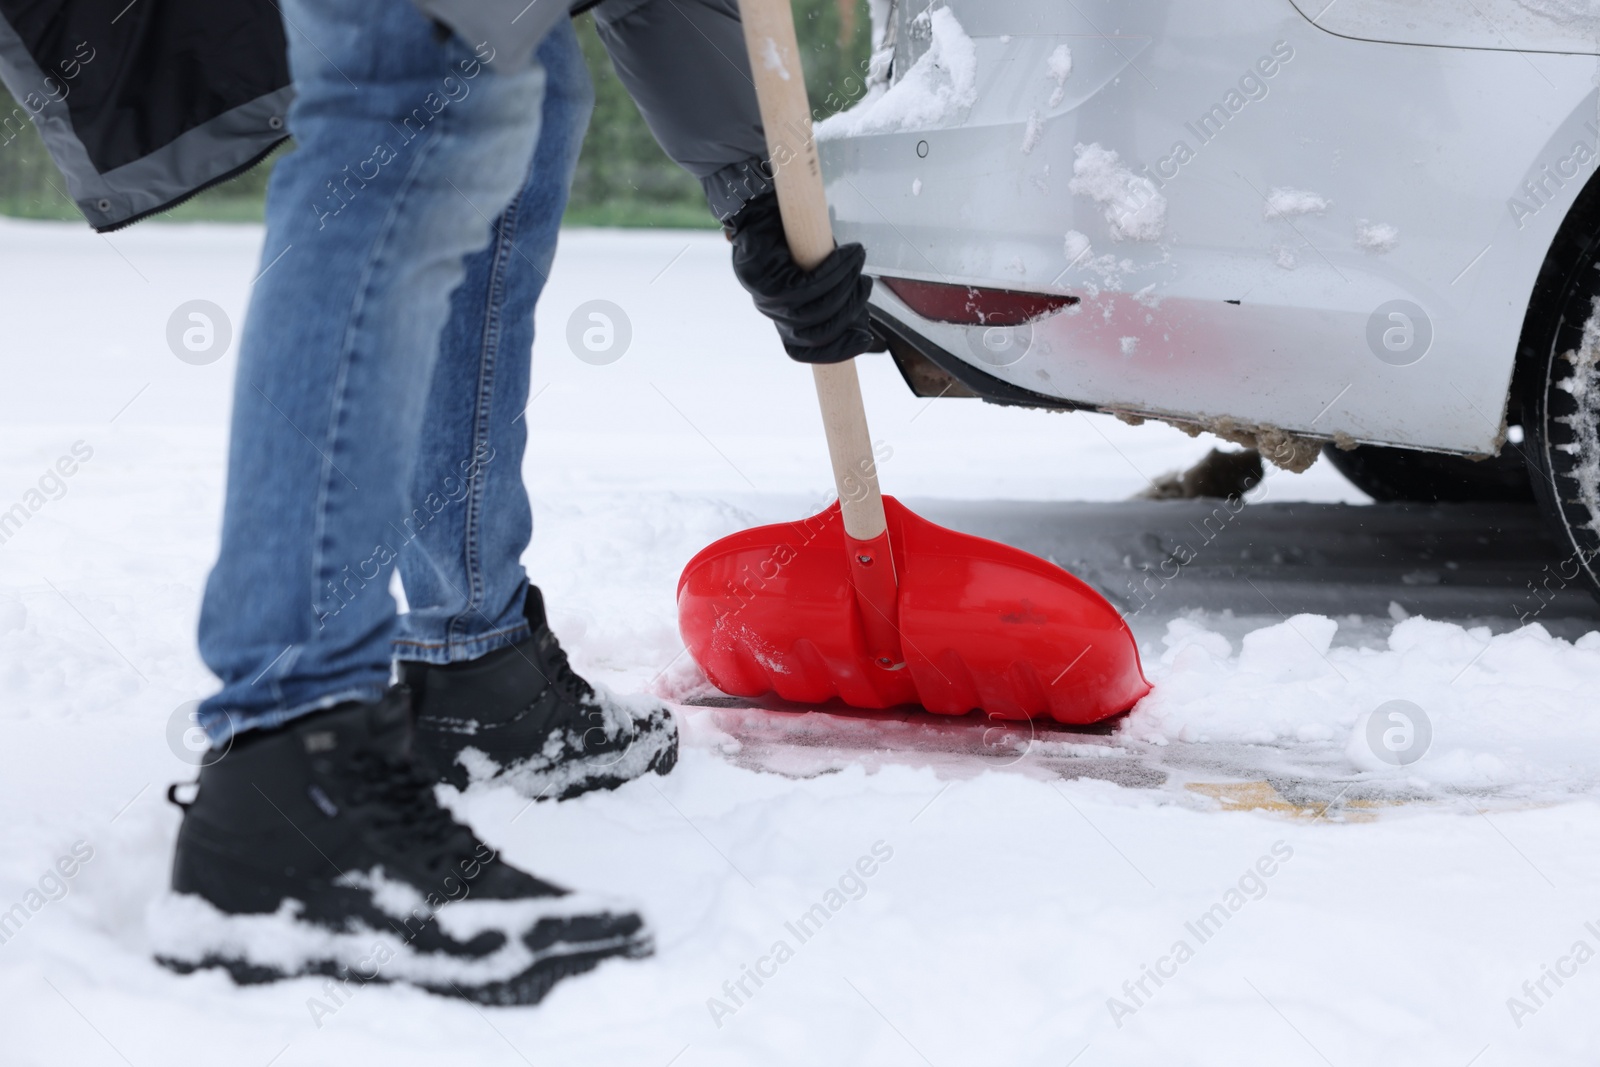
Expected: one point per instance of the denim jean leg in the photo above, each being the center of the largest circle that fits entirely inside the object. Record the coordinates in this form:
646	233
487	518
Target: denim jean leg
469	520
406	146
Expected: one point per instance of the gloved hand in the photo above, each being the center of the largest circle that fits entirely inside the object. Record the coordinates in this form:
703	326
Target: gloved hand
821	315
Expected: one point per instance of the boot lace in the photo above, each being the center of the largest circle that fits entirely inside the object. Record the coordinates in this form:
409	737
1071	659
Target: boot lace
558	670
406	815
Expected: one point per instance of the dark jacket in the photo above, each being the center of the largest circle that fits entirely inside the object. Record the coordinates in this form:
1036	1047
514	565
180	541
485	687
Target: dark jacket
144	104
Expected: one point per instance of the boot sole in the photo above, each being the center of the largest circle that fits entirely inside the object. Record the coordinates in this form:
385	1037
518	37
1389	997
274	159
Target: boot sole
537	784
522	990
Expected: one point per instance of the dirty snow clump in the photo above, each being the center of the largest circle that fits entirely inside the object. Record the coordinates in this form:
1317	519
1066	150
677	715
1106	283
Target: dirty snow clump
1376	238
936	91
1287	203
1584	386
1132	207
1580	14
1060	64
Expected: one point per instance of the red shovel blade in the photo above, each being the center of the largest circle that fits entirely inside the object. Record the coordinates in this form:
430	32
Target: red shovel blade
983	626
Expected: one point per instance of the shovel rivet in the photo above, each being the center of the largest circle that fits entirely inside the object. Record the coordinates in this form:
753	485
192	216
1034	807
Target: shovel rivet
864	560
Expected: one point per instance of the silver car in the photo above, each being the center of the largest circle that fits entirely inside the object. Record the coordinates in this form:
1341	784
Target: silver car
1362	227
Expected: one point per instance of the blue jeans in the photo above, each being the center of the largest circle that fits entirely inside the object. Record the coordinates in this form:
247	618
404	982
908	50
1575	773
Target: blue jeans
384	363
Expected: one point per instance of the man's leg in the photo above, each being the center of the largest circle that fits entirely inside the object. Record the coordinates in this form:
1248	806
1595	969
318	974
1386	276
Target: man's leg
314	825
470	521
406	146
494	694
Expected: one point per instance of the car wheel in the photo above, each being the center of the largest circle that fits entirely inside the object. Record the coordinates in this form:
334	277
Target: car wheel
1406	475
1561	413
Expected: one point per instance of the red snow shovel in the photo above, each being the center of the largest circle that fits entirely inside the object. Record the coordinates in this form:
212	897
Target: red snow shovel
866	602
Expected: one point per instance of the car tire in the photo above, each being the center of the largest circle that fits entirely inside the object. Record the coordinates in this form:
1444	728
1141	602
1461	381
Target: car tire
1561	416
1408	476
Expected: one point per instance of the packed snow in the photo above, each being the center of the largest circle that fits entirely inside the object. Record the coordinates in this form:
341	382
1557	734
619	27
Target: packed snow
1376	237
1011	916
938	89
1288	203
1133	208
1463	680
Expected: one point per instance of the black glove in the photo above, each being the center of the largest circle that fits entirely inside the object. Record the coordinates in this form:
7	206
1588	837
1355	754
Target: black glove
821	314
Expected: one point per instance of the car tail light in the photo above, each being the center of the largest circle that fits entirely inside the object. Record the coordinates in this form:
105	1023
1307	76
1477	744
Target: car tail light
969	305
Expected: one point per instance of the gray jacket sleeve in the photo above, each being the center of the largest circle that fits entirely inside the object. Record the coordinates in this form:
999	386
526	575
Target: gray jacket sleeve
684	64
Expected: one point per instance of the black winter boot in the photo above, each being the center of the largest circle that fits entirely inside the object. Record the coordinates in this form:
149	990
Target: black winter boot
318	848
522	716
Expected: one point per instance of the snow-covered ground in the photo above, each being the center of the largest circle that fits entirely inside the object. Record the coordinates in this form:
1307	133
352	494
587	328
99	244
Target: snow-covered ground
1298	899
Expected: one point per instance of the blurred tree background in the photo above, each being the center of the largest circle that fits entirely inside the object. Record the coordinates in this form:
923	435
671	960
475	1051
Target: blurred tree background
623	179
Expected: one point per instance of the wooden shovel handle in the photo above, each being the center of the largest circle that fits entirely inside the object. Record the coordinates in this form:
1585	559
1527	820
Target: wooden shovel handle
786	113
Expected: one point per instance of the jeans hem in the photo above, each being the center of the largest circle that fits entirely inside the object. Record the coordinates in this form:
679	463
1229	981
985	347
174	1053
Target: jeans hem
455	650
223	725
